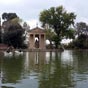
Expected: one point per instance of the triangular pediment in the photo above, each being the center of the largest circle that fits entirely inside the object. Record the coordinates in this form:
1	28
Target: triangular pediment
37	30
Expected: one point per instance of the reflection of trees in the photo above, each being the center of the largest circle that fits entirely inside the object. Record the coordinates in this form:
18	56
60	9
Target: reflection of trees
82	60
51	74
12	69
55	75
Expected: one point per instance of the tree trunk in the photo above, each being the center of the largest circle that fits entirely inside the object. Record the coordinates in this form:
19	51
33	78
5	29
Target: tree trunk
50	44
56	45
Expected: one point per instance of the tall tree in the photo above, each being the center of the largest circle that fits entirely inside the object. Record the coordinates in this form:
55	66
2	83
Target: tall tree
82	33
13	31
81	28
58	19
14	36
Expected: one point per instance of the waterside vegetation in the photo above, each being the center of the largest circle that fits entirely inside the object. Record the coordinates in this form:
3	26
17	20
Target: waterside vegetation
58	24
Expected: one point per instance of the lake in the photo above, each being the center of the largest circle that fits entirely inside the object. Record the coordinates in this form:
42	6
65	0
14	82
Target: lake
67	69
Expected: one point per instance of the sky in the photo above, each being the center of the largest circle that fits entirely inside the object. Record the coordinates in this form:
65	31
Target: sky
29	10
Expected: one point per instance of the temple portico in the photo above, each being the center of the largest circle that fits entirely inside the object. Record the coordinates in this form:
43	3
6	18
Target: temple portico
37	38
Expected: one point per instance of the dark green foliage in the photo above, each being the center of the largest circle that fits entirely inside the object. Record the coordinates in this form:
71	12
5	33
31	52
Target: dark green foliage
81	42
58	19
56	40
70	33
13	32
49	36
9	16
82	33
14	36
81	28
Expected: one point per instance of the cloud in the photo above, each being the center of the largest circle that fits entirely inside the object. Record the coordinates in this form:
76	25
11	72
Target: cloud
30	9
7	2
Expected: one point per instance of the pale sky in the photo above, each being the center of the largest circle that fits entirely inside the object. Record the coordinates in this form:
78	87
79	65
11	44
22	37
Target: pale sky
29	10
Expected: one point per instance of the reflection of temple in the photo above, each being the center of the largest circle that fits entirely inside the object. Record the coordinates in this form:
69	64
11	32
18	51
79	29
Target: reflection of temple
34	60
37	38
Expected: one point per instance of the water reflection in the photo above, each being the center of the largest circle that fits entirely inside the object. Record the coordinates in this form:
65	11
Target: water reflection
45	70
34	61
56	76
67	58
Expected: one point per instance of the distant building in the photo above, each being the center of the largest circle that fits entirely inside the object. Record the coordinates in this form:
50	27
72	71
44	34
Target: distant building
37	38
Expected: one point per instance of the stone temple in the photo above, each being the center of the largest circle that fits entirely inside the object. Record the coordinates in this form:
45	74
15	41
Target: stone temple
37	38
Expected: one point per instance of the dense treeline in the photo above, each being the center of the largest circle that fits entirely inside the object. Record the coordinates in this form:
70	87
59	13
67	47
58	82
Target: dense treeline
12	31
59	24
81	41
62	22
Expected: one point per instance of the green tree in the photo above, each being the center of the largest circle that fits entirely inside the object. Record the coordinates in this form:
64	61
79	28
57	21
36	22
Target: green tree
58	19
49	36
82	33
14	36
13	31
70	33
81	28
81	41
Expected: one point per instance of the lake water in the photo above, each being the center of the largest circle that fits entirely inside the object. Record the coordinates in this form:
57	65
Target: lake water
67	69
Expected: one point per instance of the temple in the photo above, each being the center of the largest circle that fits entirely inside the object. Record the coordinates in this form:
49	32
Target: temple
37	38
